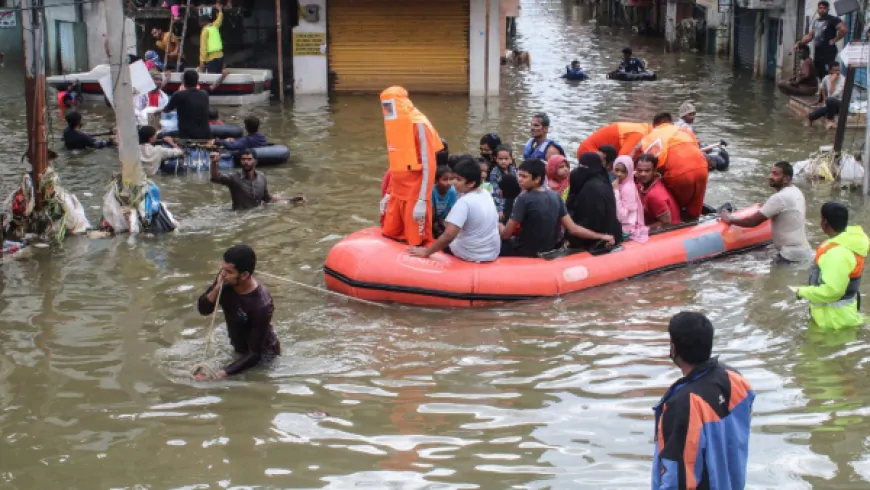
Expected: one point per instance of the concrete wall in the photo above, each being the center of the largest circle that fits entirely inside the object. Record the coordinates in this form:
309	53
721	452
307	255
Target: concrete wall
311	73
56	10
95	19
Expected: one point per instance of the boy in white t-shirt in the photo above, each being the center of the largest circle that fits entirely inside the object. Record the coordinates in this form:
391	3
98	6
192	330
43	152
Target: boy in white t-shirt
471	226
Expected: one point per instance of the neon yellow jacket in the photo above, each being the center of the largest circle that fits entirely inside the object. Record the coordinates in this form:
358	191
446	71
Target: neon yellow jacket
830	305
204	55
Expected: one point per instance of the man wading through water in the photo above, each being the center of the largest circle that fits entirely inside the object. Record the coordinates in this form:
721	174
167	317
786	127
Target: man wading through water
247	186
248	309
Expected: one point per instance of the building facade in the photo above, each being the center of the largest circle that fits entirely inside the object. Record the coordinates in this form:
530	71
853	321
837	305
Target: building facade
451	46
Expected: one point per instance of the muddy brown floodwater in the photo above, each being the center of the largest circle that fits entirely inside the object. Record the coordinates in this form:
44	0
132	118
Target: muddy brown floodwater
97	336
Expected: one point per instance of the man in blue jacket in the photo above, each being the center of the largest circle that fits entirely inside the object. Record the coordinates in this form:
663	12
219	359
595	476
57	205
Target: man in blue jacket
702	422
537	146
254	139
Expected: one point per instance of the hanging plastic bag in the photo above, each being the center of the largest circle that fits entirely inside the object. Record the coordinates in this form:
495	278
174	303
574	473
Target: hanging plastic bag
851	170
76	221
113	214
169	121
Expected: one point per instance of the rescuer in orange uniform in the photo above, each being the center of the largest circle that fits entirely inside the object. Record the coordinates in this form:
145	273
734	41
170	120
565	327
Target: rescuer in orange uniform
411	145
624	136
682	164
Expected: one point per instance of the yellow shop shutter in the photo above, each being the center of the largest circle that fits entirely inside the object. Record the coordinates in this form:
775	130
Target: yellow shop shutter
421	45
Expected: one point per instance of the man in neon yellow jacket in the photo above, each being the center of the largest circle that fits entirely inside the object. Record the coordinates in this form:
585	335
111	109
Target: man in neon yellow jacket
211	46
836	274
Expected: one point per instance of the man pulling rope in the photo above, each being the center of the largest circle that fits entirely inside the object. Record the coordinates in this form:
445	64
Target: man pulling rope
248	312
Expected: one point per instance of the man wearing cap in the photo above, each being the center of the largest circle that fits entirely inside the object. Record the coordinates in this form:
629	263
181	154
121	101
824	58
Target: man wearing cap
211	47
826	31
687	117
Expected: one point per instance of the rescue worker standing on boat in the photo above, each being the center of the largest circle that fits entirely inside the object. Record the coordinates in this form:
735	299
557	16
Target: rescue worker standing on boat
412	143
683	167
211	47
836	274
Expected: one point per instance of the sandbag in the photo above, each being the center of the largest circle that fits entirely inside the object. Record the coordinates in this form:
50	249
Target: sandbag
220	131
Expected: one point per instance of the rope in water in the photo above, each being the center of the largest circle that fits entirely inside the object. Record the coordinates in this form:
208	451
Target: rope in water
202	366
334	293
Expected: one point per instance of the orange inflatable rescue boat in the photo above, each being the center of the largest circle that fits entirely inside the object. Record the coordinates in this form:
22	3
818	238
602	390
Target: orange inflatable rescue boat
367	265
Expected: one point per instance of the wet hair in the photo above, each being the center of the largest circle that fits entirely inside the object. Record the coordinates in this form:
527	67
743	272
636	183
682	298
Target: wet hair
73	119
627	51
836	215
247	151
191	78
803	48
662	117
252	124
146	133
213	114
610	154
824	3
692	336
491	140
469	169
545	119
534	167
442	156
452	160
509	186
787	169
501	148
646	157
835	65
441	171
557	146
242	257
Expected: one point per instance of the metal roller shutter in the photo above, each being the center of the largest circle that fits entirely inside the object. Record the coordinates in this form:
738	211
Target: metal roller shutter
744	39
422	46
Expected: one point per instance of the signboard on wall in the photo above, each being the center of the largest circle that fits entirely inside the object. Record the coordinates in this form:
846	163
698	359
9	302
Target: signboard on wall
7	19
309	44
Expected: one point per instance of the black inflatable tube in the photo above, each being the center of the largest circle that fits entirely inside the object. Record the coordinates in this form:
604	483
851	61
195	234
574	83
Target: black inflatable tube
720	159
220	131
271	155
647	76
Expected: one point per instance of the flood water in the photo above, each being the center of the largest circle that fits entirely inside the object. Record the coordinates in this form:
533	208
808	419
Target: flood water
98	336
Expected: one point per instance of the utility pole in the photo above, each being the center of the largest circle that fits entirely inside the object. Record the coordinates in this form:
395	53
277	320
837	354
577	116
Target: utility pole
33	44
122	93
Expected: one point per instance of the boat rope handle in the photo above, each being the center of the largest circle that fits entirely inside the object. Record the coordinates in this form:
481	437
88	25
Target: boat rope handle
327	291
202	366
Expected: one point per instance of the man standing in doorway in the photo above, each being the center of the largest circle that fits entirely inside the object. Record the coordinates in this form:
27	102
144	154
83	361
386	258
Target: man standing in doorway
702	422
211	47
827	30
788	210
538	144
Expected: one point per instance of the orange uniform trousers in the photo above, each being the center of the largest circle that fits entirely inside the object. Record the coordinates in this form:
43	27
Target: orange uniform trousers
685	175
399	222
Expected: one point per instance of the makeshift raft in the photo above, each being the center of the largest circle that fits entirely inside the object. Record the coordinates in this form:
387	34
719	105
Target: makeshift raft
198	159
369	266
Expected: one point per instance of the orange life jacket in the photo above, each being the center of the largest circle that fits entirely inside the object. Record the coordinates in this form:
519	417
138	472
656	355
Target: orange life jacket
859	260
662	138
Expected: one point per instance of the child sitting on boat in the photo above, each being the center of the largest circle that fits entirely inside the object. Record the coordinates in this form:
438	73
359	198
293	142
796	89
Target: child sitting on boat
443	198
504	165
254	139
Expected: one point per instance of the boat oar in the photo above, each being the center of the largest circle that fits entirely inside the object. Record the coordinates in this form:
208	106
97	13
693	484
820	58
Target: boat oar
321	290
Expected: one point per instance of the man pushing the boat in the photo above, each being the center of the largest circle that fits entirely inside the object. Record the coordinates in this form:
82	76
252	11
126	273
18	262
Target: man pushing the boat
412	143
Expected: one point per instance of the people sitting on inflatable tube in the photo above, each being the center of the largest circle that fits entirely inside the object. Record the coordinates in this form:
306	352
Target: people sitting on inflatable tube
151	155
631	69
254	138
75	139
575	72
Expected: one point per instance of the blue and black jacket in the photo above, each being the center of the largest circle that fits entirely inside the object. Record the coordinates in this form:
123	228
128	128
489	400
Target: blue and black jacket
702	431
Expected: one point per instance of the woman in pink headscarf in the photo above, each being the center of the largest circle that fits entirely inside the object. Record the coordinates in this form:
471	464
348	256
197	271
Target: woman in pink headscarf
558	171
629	208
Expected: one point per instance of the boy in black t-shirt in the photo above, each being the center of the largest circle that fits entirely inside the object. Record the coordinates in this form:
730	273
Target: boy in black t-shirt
540	211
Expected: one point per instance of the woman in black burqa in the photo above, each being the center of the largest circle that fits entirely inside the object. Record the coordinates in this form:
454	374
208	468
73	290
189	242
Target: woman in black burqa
591	201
